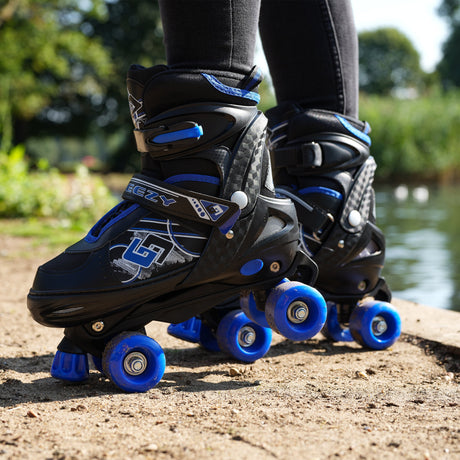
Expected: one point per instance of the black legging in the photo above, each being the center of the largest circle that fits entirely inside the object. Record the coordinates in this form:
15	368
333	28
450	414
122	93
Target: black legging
311	46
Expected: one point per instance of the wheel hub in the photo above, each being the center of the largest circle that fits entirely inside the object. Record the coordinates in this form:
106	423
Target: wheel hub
246	336
297	312
379	325
135	363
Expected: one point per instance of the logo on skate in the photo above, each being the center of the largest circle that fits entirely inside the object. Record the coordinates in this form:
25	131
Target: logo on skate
148	194
151	248
208	210
143	252
136	108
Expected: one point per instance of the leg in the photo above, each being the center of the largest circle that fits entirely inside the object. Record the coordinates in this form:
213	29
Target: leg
321	149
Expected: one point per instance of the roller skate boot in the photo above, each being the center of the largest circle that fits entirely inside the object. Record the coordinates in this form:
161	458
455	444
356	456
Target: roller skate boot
322	162
200	224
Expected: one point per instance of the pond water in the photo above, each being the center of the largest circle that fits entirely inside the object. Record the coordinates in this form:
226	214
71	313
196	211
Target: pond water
422	230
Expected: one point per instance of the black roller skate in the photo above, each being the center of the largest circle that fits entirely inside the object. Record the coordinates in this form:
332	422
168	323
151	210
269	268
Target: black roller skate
199	225
323	164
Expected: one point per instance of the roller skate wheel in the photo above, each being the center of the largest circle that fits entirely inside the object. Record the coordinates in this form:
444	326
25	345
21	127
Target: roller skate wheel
332	329
242	338
208	339
97	362
375	324
296	311
134	362
248	305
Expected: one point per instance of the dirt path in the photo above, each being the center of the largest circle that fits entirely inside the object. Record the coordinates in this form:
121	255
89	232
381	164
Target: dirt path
303	400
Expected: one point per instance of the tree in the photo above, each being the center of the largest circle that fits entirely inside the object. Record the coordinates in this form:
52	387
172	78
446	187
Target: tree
388	61
449	66
133	33
46	57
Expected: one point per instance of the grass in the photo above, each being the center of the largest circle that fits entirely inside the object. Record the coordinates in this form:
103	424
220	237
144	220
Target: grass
53	233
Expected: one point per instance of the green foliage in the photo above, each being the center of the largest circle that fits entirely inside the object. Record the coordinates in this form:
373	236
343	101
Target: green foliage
45	56
416	138
388	61
46	192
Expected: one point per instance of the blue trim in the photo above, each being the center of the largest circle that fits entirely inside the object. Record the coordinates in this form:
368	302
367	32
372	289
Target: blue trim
355	131
89	238
190	133
255	79
252	267
192	178
230	90
323	190
226	226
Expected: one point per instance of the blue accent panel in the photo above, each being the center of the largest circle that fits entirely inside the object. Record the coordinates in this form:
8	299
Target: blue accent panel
191	133
192	178
225	227
323	190
230	90
252	267
355	131
90	238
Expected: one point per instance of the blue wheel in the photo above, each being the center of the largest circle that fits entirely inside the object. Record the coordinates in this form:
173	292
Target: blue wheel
375	325
296	311
208	339
332	329
97	361
248	305
242	338
71	367
134	362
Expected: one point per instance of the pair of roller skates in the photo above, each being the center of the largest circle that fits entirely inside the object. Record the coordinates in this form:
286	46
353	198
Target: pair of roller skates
203	226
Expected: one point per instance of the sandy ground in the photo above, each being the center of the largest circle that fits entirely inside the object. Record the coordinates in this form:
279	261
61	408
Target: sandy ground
303	400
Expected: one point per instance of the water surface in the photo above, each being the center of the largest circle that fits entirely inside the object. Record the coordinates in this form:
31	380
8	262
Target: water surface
422	230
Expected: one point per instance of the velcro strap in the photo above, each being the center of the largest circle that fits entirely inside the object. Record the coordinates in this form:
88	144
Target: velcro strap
301	154
176	201
327	151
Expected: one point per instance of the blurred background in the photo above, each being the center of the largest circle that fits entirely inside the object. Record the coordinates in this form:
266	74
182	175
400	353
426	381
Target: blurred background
66	143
